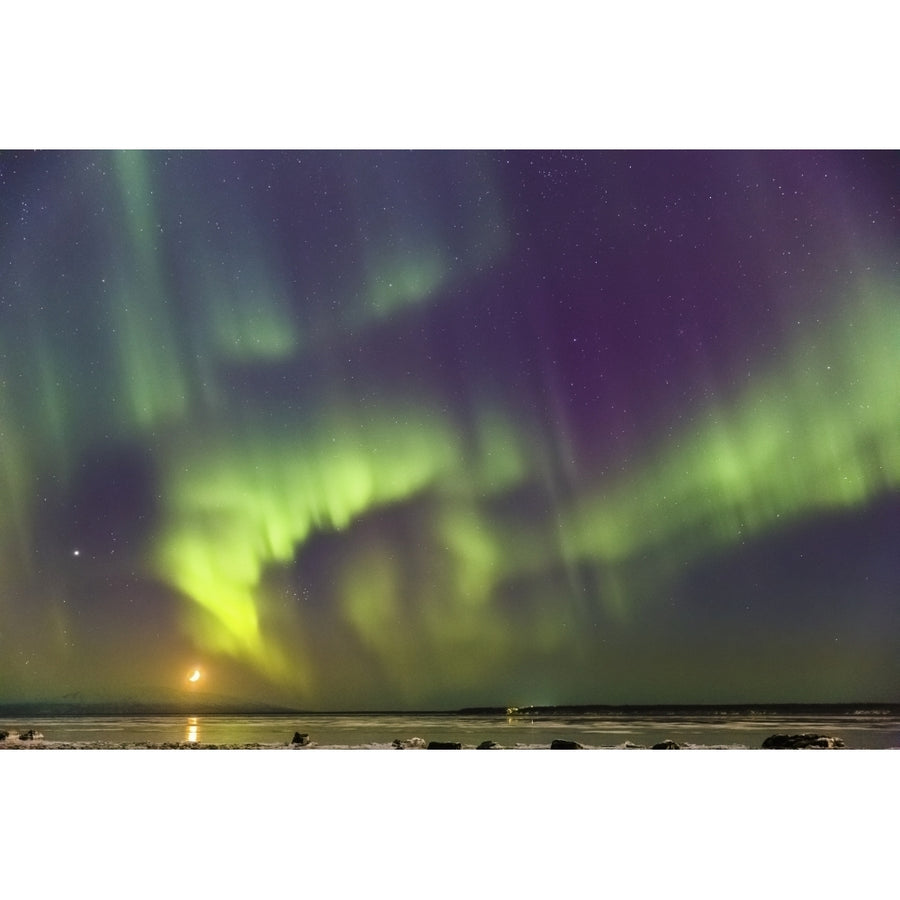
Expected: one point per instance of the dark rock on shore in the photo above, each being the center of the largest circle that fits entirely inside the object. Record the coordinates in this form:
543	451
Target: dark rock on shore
488	745
301	739
443	745
801	742
560	744
30	735
666	745
3	735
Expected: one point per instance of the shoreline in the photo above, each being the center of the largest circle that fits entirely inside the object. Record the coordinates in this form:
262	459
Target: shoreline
449	733
415	744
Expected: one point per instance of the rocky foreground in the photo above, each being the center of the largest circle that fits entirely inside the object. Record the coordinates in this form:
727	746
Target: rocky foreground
32	739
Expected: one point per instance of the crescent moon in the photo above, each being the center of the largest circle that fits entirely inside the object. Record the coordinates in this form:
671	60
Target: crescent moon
195	676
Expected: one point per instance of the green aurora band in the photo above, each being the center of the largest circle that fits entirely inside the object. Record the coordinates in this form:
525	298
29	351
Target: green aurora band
782	451
238	506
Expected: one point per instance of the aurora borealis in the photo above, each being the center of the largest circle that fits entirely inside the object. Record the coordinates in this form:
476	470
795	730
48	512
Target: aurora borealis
392	430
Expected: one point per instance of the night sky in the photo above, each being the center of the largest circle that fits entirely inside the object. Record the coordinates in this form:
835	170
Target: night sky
392	430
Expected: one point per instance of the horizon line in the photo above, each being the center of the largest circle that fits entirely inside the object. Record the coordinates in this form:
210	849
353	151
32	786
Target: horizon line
111	708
